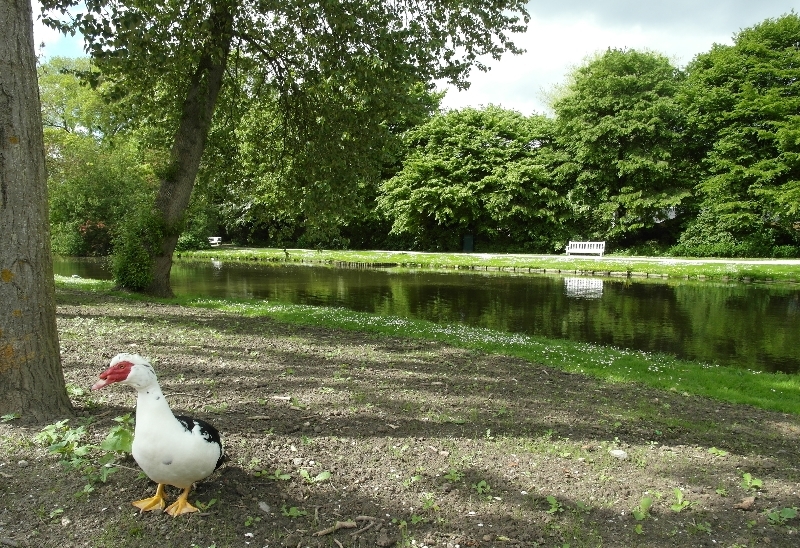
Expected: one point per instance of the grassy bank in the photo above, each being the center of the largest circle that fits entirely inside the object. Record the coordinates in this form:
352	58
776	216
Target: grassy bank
762	270
775	392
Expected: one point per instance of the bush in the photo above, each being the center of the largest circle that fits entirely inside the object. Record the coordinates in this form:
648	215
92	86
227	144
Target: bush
191	242
134	249
65	239
714	235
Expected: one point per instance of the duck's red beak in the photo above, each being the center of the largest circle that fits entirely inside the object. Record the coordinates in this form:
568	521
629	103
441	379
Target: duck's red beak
117	372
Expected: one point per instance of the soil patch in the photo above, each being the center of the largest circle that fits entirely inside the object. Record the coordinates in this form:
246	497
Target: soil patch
338	438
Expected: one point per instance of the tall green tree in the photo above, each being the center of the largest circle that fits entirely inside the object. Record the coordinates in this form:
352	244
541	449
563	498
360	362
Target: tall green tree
744	122
174	56
619	128
476	171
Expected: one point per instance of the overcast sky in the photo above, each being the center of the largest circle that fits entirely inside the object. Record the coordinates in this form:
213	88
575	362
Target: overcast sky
563	33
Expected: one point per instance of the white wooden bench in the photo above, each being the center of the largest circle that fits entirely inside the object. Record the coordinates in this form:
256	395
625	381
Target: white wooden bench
214	240
593	248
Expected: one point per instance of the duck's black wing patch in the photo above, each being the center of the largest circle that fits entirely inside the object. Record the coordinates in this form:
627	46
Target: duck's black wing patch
209	433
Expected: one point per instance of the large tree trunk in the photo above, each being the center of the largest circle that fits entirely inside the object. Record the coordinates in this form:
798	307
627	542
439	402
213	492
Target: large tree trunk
189	143
31	379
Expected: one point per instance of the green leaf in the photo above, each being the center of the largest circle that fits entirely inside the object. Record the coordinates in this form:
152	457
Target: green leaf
118	440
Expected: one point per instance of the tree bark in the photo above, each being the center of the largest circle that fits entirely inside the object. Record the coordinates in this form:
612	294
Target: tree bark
31	379
189	143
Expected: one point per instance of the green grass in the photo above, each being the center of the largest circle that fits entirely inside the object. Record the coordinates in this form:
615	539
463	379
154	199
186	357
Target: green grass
774	391
711	269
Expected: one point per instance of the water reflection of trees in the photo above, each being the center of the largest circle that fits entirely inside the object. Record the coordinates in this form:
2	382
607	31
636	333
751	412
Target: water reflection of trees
748	325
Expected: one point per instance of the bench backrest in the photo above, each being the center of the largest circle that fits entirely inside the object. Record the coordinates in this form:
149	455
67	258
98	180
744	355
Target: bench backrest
586	247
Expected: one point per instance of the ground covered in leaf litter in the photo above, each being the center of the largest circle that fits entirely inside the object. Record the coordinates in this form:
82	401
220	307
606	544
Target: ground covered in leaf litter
339	438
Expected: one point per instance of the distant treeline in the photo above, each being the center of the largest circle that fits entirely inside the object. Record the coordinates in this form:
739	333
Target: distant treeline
652	159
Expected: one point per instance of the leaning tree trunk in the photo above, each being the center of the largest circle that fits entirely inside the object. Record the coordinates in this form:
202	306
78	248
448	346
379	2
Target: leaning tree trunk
31	379
188	145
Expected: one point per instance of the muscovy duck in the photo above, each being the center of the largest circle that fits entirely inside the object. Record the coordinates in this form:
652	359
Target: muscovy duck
171	450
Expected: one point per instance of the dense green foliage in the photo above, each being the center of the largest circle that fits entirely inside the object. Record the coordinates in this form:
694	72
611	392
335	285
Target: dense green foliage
620	132
307	178
743	104
476	172
703	161
96	174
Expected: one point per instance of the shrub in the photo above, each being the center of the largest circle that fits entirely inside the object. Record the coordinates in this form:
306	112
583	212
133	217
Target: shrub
134	248
190	242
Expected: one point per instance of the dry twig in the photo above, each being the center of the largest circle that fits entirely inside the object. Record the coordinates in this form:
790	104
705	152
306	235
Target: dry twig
335	527
372	521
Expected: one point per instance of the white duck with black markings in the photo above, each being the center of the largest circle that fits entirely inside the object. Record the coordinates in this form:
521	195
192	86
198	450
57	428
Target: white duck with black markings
171	450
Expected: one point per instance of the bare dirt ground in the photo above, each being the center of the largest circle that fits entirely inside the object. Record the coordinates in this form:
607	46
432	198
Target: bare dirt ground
339	438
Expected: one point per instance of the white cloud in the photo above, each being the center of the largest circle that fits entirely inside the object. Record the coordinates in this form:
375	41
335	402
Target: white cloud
563	35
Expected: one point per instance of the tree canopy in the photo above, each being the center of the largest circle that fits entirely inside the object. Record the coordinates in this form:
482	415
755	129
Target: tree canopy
619	129
95	173
744	115
477	172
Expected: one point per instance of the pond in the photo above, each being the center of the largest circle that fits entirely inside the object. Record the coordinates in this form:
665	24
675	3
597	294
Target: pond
753	326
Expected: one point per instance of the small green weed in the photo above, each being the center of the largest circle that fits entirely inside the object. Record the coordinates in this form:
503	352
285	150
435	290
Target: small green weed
642	511
481	487
429	502
94	462
699	527
216	408
319	478
750	483
9	417
454	475
249	521
581	508
555	506
718	452
292	512
680	503
205	505
277	475
75	391
120	437
780	517
503	411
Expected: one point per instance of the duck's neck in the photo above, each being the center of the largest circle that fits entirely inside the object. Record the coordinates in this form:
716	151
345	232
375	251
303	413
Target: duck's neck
152	407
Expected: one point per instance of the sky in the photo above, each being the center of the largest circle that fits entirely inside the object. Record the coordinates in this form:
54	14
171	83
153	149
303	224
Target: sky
563	34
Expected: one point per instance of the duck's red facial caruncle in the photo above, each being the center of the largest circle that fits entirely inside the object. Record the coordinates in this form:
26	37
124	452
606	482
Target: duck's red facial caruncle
116	373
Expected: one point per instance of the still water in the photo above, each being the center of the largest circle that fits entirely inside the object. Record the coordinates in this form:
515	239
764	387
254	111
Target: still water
751	326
